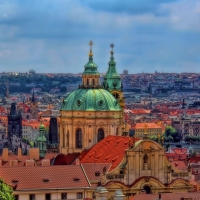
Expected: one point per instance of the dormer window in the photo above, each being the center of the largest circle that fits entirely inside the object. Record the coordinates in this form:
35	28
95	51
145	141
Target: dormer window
45	180
15	181
76	179
97	173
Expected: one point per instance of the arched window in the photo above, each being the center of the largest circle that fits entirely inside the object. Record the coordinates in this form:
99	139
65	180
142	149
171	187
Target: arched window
100	135
147	189
87	81
79	138
93	82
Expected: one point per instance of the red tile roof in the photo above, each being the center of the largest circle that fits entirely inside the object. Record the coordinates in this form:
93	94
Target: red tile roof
180	151
91	168
195	159
180	164
68	159
140	111
37	177
147	125
109	150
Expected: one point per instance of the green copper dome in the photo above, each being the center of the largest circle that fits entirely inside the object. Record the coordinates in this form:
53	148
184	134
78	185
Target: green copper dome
90	67
91	99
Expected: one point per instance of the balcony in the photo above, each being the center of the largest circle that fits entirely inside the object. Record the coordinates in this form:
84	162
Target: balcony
114	176
176	175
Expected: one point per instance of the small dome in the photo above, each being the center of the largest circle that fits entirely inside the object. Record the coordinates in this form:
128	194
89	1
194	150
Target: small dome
91	99
41	127
90	67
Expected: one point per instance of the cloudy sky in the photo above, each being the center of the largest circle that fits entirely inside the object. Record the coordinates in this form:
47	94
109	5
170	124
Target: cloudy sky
53	35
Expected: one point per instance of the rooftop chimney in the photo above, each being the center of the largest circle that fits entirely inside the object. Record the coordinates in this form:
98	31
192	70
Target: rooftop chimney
45	162
5	154
13	163
34	153
30	163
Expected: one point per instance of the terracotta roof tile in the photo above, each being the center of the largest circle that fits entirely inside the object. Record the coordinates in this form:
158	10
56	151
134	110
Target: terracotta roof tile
91	168
37	177
143	125
68	159
180	164
109	150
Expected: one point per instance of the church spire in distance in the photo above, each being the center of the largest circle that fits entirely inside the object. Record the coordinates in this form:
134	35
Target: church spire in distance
33	96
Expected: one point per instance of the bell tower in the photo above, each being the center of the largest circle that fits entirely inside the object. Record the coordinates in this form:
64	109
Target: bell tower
112	80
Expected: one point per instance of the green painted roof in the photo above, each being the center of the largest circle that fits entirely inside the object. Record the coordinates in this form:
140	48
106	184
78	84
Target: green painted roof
90	99
90	67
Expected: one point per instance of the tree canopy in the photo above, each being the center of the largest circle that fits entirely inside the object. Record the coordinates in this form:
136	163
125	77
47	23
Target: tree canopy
6	191
171	134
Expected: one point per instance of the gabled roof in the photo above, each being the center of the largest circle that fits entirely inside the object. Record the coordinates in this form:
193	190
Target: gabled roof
109	150
37	177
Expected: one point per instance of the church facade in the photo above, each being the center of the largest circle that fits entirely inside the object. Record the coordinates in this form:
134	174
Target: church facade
92	112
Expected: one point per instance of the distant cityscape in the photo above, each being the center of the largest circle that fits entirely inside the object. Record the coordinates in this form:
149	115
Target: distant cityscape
163	108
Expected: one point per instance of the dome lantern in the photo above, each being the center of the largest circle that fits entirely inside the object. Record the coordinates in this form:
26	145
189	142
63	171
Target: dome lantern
90	76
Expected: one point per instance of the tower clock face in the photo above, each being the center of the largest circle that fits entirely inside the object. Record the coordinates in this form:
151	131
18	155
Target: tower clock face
116	95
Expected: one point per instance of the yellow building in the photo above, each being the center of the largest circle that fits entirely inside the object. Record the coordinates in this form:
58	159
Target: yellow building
150	128
137	166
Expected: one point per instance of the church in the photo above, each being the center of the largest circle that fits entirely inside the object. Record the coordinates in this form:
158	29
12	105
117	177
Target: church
92	123
93	111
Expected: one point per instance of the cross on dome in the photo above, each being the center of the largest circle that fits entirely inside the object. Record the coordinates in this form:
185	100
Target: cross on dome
112	46
91	43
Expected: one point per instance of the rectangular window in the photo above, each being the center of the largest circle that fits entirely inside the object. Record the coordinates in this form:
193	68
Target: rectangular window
32	197
47	196
79	195
16	197
64	196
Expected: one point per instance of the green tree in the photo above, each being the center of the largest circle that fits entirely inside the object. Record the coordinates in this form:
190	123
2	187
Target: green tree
6	192
169	139
170	131
154	138
187	138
